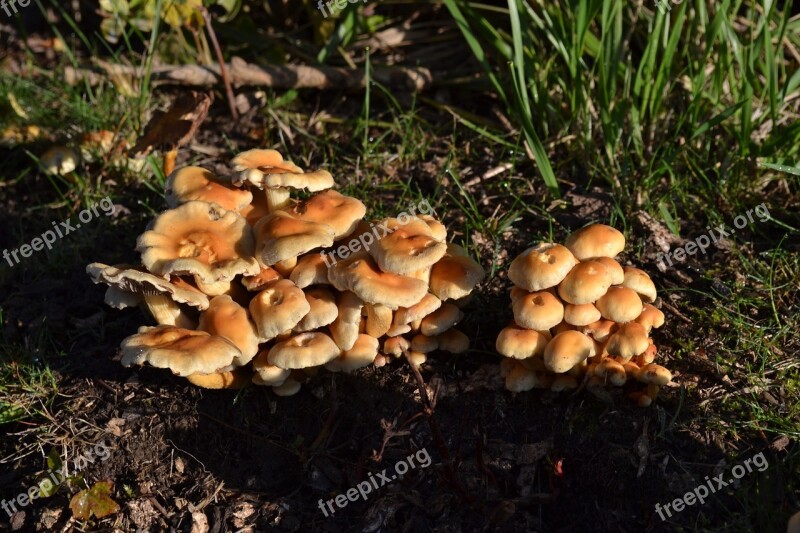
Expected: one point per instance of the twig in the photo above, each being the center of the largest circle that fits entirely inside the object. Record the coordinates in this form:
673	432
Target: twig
438	438
222	67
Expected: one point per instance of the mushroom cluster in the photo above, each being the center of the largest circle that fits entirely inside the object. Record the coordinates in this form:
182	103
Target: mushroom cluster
579	314
243	282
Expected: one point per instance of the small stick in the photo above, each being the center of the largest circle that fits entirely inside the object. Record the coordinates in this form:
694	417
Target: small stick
223	69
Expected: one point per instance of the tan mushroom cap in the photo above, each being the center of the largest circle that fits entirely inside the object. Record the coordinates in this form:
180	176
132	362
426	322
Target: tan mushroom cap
290	387
444	318
344	329
585	283
265	160
614	269
235	379
629	340
620	304
520	343
228	319
262	280
423	343
581	314
541	267
566	350
303	351
596	240
199	239
183	351
409	248
359	274
519	378
361	355
323	309
438	230
794	524
654	374
651	317
379	320
538	310
453	341
395	346
640	281
267	373
311	269
563	383
455	275
280	237
426	306
136	281
255	210
278	308
342	213
398	329
198	184
600	330
613	371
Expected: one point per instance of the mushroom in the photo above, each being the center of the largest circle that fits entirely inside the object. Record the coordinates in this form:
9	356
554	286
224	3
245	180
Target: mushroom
379	320
279	237
344	329
409	248
359	274
290	387
640	281
310	270
266	169
267	373
585	283
198	184
612	370
278	308
444	318
581	314
342	213
228	319
455	275
538	310
418	311
362	354
183	351
566	350
199	239
651	317
234	379
596	240
541	267
438	230
654	374
520	343
423	343
620	304
396	345
303	351
59	160
518	378
129	286
600	330
564	382
614	269
629	340
262	280
323	310
453	341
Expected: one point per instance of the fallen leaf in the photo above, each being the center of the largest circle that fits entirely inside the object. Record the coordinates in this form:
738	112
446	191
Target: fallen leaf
94	501
177	126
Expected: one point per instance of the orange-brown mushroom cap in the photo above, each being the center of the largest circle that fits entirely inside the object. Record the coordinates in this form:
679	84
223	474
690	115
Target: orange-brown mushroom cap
198	184
303	351
278	308
585	283
596	240
340	212
541	267
279	236
359	274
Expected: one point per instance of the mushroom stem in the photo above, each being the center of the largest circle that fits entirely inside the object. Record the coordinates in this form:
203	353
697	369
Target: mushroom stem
277	198
167	313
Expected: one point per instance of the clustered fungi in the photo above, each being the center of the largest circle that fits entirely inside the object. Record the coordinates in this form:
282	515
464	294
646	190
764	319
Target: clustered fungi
578	314
242	290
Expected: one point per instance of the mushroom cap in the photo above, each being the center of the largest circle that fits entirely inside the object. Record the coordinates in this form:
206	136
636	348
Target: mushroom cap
323	309
267	373
538	310
444	318
581	314
629	340
418	311
566	350
408	248
199	239
596	240
278	308
455	275
255	210
134	280
359	274
519	378
344	329
228	319
651	317
600	330
183	351
794	524
520	343
342	213
438	230
303	351
262	280
266	160
395	346
613	371
563	383
423	343
654	374
311	269
614	268
541	267
235	379
379	320
198	184
640	281
362	354
59	160
279	236
453	341
620	304
585	283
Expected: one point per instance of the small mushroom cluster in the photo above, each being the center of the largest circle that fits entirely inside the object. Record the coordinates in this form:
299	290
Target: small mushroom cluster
579	314
245	288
